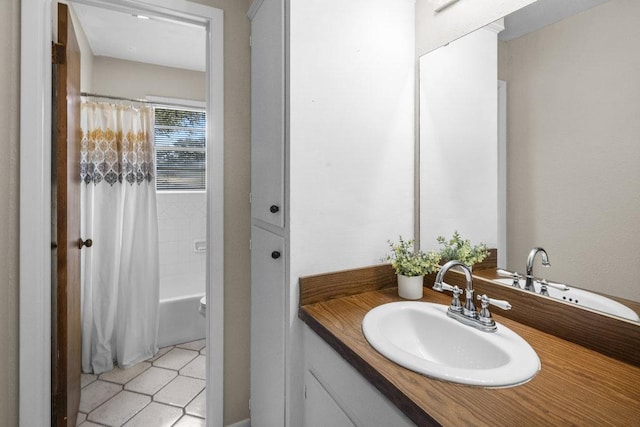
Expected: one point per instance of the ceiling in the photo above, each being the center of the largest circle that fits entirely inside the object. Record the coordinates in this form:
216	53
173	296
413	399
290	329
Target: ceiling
154	41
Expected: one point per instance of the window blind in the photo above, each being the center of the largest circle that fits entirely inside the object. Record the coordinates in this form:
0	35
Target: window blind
180	140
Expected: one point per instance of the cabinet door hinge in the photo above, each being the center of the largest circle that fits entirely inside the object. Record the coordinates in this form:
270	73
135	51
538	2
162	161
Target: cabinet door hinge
250	198
304	392
250	245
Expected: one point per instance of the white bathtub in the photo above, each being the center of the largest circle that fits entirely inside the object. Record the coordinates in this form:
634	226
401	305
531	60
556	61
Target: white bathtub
180	320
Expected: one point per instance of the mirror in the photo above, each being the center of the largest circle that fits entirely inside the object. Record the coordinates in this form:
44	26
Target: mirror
565	174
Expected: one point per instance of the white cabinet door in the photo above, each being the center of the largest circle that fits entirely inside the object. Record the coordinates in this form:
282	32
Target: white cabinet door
267	328
267	113
354	396
320	409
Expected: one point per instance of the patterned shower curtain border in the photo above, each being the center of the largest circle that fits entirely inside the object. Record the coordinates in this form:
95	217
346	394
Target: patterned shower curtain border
116	156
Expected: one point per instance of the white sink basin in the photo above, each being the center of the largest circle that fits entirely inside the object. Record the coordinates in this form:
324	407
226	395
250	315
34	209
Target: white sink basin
421	337
585	299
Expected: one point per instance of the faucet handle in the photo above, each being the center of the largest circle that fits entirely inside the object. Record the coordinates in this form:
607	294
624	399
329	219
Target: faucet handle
484	317
543	288
500	303
456	305
503	272
514	275
554	285
516	280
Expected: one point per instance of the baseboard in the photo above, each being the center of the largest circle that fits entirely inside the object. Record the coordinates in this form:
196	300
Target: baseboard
243	423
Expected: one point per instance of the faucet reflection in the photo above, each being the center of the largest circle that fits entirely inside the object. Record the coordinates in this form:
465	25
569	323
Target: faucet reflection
532	255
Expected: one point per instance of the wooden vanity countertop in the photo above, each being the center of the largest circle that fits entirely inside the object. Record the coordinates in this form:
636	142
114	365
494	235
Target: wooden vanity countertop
576	385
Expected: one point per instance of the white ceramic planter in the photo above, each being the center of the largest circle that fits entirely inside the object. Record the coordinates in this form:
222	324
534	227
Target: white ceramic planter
410	287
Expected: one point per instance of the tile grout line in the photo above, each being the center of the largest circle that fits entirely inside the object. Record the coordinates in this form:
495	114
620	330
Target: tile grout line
183	408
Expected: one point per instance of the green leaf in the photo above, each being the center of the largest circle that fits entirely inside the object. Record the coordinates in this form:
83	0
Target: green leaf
407	261
458	249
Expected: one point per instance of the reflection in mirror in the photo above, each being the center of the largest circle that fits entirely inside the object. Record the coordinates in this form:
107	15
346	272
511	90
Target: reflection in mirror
458	132
571	176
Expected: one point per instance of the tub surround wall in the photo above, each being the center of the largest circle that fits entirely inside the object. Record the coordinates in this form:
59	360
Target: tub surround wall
182	221
602	391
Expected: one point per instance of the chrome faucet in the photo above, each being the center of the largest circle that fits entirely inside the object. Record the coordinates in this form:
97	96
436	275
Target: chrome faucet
469	308
468	314
532	255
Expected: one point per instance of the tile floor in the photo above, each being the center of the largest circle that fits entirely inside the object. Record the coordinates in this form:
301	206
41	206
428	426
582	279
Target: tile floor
166	390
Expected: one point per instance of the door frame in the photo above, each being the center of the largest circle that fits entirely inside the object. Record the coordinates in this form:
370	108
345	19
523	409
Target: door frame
35	199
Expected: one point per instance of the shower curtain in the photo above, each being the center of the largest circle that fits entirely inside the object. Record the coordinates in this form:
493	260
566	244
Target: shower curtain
120	289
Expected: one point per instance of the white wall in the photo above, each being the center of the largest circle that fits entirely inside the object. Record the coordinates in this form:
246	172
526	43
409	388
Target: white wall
437	29
351	142
573	150
458	140
351	147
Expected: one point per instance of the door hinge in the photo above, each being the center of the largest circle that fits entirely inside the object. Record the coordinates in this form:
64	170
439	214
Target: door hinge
250	198
58	53
304	392
250	41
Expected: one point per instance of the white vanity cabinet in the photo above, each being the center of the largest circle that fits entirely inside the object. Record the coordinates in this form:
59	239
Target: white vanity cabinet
332	148
337	395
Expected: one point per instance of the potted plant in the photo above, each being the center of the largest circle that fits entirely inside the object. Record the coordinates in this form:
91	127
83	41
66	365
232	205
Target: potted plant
411	266
461	250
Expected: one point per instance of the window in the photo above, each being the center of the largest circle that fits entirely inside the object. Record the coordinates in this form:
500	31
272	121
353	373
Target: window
180	139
